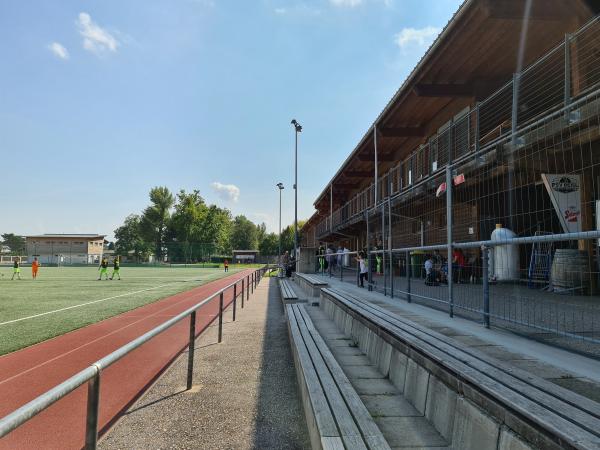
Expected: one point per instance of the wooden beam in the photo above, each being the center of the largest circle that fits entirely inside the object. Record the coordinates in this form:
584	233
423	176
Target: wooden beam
512	10
357	173
342	186
444	90
402	132
380	157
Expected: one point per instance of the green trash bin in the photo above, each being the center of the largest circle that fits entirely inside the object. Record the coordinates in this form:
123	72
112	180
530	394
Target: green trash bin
417	259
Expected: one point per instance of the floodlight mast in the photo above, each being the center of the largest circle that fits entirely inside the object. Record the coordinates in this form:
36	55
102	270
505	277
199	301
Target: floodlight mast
297	129
281	188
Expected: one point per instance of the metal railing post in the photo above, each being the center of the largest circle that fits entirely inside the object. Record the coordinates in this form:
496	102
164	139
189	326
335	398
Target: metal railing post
391	269
382	256
93	407
243	292
567	93
234	300
248	288
220	317
408	269
252	283
191	347
486	287
477	137
449	236
369	265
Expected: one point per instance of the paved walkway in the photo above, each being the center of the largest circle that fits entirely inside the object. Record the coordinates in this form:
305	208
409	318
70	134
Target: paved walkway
245	393
567	369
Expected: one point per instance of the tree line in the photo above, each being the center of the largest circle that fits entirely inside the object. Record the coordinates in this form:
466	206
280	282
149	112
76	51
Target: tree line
184	228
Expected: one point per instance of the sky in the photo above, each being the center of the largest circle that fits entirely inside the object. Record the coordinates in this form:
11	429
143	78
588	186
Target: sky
100	100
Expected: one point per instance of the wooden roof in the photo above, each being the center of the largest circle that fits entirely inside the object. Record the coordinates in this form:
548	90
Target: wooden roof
475	54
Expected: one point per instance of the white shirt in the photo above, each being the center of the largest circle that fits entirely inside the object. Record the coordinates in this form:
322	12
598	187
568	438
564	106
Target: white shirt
428	265
363	266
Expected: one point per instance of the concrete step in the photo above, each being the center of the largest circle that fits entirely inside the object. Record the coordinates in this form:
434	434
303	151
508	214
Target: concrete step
402	425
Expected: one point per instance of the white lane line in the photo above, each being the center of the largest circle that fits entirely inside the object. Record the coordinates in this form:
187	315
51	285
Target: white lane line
87	303
93	341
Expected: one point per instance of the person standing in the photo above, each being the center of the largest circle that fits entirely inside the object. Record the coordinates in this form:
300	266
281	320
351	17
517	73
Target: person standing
116	268
458	264
103	268
363	269
35	265
16	269
226	265
429	276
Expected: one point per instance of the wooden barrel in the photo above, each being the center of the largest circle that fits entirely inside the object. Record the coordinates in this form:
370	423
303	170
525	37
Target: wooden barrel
571	270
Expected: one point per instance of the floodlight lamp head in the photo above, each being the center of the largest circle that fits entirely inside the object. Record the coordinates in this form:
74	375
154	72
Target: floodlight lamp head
297	126
280	185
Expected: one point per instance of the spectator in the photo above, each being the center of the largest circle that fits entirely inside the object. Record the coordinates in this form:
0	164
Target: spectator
363	269
458	264
438	266
330	257
431	276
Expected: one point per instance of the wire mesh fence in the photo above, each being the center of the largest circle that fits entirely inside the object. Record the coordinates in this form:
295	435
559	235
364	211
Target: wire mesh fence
496	216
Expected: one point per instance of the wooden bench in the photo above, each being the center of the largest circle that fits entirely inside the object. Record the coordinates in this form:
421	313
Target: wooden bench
312	284
514	400
335	414
287	291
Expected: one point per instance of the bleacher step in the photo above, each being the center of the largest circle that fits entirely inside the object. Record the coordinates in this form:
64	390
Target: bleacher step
401	424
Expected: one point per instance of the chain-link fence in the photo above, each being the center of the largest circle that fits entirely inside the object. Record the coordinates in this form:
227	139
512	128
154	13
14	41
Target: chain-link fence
496	217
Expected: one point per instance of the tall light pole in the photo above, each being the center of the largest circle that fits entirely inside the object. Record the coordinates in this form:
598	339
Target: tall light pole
298	129
280	186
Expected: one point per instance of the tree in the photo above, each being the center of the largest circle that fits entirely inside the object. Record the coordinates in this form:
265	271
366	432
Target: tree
129	238
185	225
269	245
261	232
14	242
155	218
216	230
243	234
287	237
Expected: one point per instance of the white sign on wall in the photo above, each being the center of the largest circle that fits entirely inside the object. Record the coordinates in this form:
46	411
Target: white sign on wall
565	193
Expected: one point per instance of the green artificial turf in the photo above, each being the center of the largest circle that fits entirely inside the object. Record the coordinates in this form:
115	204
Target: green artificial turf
58	288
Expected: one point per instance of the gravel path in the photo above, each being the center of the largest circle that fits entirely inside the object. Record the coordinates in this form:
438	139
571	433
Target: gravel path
245	393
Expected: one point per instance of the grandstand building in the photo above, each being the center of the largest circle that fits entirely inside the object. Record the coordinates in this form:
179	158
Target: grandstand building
497	121
65	248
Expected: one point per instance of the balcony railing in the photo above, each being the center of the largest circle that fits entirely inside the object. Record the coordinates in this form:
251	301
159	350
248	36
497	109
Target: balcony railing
560	77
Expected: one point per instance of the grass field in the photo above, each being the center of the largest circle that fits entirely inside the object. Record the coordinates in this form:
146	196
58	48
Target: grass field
64	287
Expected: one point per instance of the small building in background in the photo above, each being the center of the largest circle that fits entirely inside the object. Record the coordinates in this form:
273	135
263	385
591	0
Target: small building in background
65	248
245	256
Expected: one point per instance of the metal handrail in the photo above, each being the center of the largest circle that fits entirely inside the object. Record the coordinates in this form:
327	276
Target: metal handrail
92	373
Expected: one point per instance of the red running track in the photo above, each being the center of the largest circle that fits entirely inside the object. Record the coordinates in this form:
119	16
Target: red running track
30	372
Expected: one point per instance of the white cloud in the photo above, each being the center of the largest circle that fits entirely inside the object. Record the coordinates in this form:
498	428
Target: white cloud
59	50
298	10
95	38
346	3
226	191
416	36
